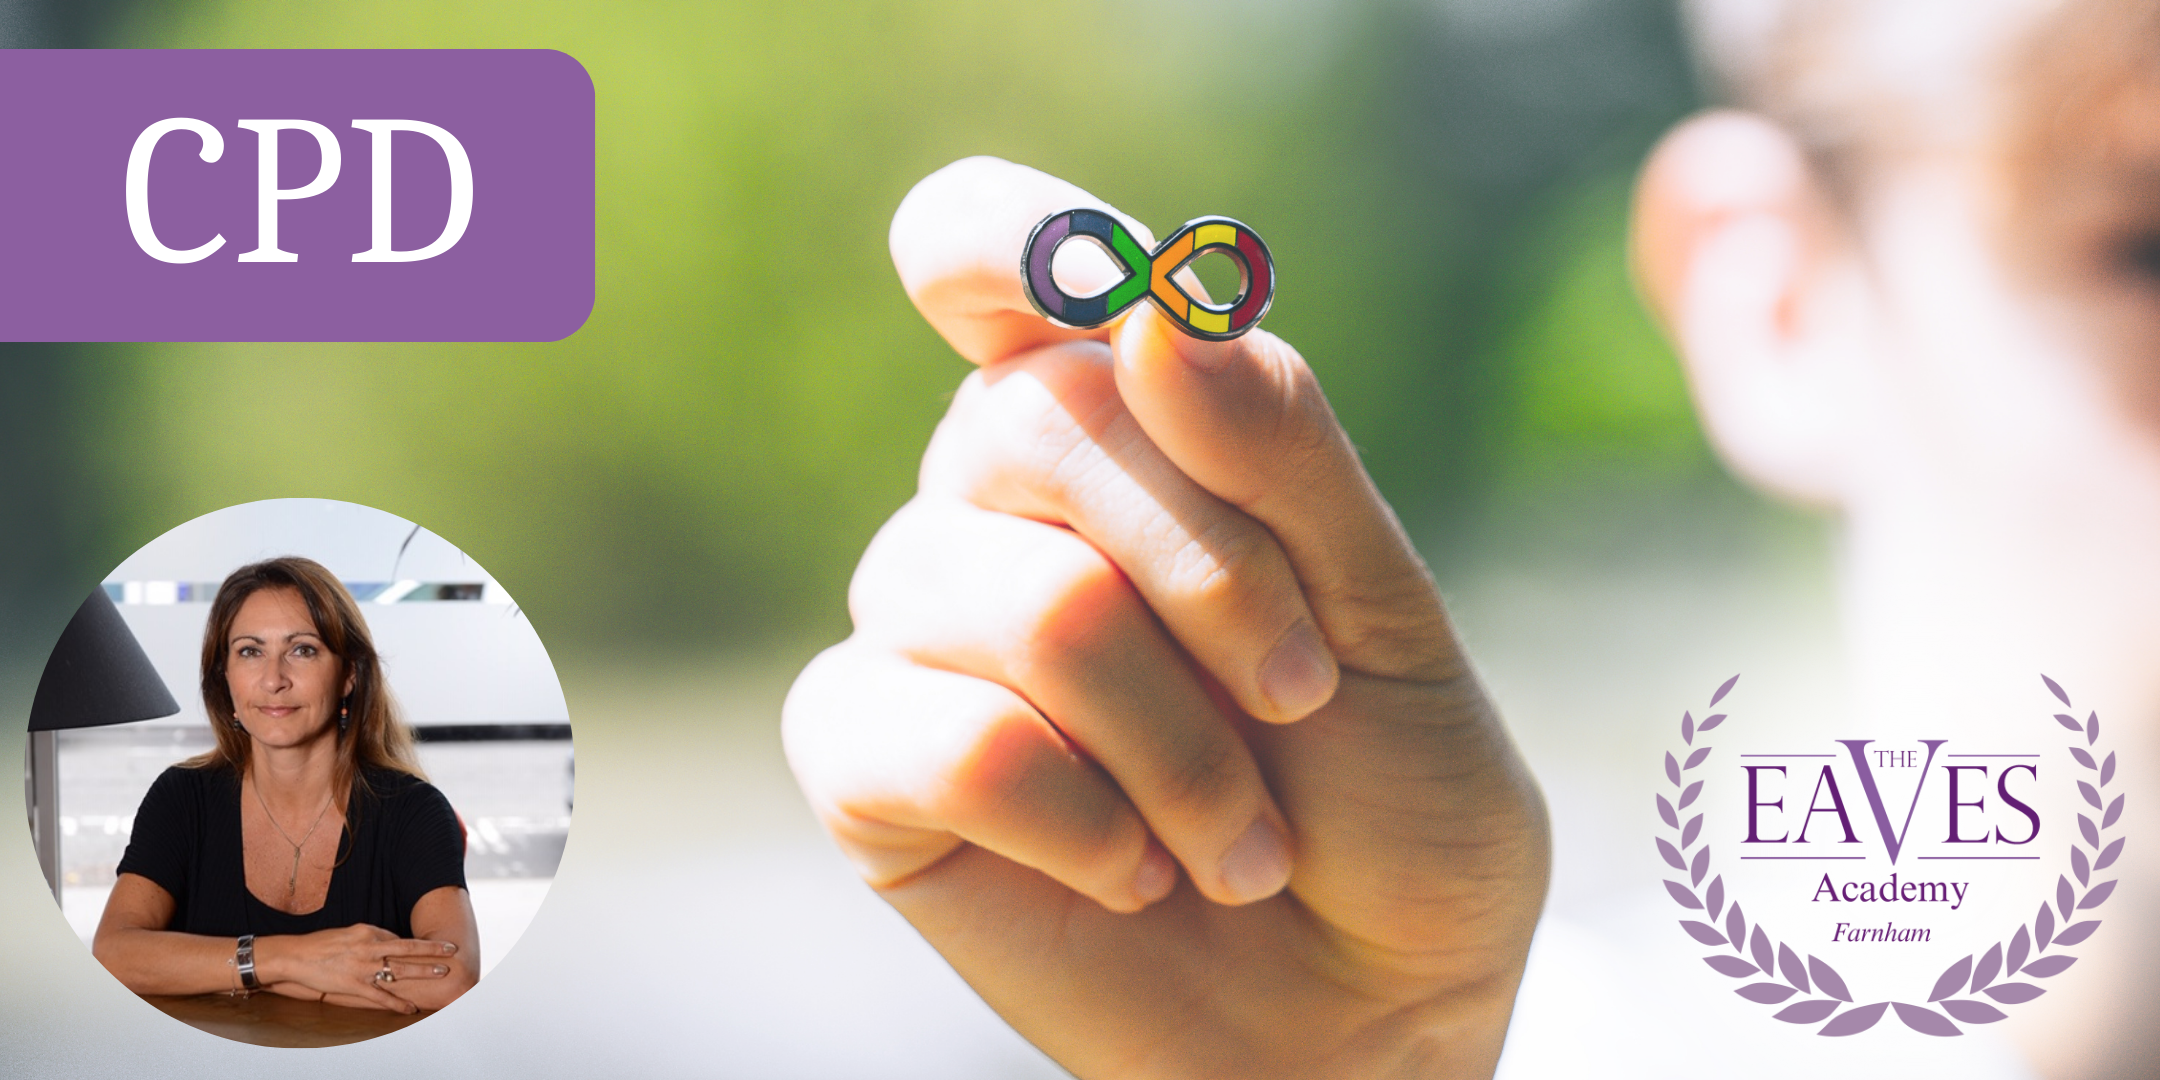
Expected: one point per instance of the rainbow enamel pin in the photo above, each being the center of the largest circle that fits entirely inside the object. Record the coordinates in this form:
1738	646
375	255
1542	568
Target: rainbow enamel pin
1148	274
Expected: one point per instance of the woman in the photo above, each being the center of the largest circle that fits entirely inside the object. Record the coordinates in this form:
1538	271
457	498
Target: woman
306	854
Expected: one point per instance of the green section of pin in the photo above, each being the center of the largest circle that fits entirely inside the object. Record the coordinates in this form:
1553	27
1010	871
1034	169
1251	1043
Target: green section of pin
1136	260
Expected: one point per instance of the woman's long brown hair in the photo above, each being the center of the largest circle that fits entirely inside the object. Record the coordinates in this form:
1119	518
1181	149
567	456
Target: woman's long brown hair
375	737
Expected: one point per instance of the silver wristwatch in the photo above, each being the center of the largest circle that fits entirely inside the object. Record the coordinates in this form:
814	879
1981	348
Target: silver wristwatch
244	959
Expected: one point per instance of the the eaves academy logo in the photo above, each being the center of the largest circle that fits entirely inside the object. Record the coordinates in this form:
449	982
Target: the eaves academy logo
1851	874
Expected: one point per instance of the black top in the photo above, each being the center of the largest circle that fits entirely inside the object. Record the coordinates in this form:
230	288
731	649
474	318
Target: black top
403	841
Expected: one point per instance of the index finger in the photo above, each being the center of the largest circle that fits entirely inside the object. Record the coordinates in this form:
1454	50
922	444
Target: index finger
412	947
956	241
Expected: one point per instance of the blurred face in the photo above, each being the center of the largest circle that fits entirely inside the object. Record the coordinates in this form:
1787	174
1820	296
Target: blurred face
1951	335
1963	308
2004	289
2080	161
285	683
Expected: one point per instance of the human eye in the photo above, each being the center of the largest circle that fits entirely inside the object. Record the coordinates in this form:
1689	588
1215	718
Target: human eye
2141	256
305	651
247	652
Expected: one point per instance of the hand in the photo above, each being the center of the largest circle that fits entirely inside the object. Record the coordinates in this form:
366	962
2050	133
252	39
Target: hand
1146	647
339	966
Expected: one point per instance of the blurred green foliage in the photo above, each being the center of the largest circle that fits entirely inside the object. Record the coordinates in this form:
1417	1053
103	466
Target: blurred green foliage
1596	391
1443	189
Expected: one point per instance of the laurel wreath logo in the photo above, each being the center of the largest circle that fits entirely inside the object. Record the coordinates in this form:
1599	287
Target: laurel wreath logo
1823	993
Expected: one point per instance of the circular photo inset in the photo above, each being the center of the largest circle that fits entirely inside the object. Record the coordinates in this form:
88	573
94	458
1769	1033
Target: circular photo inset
300	773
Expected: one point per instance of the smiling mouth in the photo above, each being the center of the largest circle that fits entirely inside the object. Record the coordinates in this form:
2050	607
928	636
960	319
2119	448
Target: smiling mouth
277	710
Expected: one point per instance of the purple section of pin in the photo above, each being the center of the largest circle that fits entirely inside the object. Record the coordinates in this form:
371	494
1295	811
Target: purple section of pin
71	269
1040	252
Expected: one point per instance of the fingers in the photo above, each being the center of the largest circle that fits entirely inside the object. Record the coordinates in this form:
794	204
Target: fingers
372	999
409	969
1046	436
1039	610
905	764
956	242
1246	420
384	944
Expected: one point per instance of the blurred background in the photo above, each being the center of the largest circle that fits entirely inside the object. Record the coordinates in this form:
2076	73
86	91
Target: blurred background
677	493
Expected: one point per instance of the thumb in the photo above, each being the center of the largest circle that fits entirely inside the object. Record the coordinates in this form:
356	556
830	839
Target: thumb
1246	420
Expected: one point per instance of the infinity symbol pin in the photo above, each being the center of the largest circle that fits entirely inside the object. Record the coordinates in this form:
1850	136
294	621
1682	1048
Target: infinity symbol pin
1148	273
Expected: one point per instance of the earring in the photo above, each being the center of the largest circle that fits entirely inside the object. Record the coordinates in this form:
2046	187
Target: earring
236	723
344	715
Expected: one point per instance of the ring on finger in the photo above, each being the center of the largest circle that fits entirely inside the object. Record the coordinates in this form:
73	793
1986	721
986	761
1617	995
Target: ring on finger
386	975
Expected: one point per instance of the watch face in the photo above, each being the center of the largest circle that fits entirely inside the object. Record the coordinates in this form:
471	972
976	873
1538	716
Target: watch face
312	723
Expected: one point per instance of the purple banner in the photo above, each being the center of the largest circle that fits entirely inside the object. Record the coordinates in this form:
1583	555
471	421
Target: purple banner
287	195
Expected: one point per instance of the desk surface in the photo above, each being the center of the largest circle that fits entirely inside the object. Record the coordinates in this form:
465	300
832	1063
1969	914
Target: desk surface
275	1020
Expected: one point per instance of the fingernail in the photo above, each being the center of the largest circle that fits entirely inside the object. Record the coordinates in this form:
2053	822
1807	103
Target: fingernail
1298	675
1258	865
1157	876
449	946
1208	356
441	970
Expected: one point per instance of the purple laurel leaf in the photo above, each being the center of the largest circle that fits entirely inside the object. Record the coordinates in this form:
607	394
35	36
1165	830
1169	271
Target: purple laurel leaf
1807	1012
1759	947
2107	769
2074	933
2050	965
1974	1012
1703	933
1788	963
2020	948
2090	830
1672	768
2114	811
1687	728
1671	853
1691	831
1985	971
1855	1021
2092	794
1731	965
1827	981
1709	722
1726	688
2078	754
1714	901
1736	928
2013	993
2079	866
2064	896
1665	810
1952	980
2044	927
1681	895
2108	857
2070	722
1765	993
1702	752
2056	689
2092	728
1688	796
1925	1021
1700	867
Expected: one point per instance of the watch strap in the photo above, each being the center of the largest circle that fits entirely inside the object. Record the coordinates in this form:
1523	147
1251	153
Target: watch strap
244	959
